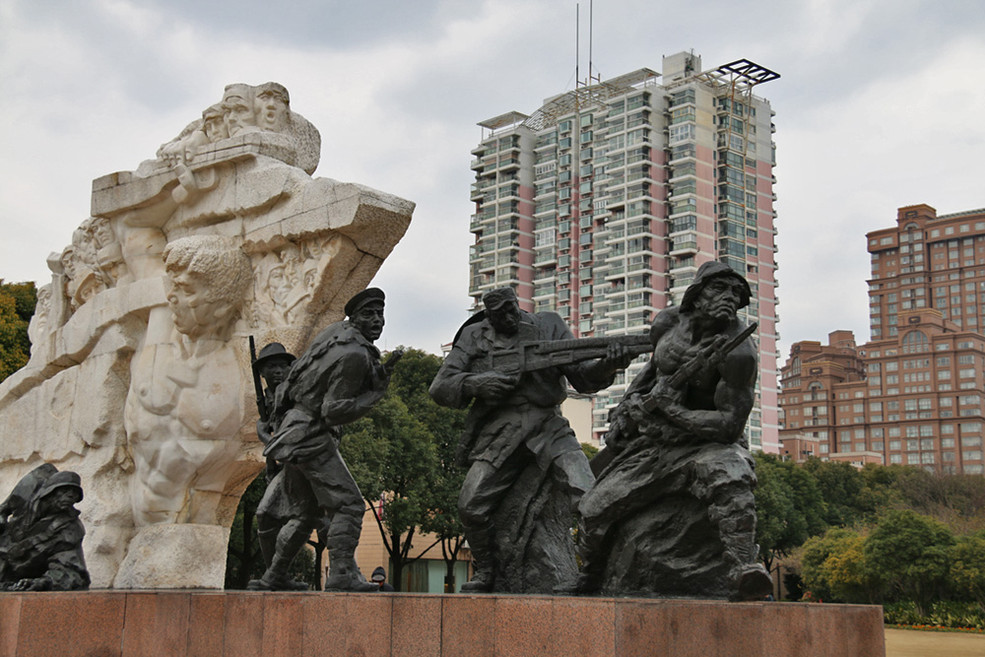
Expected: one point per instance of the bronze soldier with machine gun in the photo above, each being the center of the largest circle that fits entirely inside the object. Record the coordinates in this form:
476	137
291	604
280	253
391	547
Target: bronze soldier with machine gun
513	364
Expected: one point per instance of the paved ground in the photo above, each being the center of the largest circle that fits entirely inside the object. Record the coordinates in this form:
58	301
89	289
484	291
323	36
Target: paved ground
914	643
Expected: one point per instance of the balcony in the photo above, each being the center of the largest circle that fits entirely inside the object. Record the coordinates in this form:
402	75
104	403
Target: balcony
683	247
545	257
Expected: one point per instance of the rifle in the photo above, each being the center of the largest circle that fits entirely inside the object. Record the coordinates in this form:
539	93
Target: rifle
543	354
257	385
712	355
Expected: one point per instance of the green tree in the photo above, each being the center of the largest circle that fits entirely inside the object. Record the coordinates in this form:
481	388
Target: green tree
590	451
17	302
910	552
411	382
393	460
841	485
789	507
948	497
402	457
967	571
834	567
849	573
442	519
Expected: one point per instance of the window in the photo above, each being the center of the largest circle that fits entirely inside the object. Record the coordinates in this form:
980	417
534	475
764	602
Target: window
915	342
682	132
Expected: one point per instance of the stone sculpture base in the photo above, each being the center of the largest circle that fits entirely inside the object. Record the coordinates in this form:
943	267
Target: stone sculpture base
179	624
174	557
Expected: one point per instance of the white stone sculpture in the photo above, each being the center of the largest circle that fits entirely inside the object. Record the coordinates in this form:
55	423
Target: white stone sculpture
139	371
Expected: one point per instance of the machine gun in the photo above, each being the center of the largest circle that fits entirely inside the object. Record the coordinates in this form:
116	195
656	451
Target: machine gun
543	354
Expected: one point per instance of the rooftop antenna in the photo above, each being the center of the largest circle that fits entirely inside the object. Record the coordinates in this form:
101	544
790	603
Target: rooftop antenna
591	24
577	44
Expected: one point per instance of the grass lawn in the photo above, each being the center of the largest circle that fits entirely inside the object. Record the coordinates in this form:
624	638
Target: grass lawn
917	643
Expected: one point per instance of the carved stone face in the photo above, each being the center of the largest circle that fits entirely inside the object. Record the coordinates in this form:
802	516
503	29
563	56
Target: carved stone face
239	115
215	128
103	233
278	285
271	110
69	262
506	318
720	298
194	314
369	321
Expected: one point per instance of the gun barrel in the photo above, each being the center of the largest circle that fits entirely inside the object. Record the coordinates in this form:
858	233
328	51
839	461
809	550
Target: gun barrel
539	355
714	353
257	385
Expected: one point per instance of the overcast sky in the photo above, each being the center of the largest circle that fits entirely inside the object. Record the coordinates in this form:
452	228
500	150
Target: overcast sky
881	104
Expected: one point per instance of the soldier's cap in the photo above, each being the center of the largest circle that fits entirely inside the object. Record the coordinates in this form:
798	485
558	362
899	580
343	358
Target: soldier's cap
65	478
498	297
272	352
706	272
369	295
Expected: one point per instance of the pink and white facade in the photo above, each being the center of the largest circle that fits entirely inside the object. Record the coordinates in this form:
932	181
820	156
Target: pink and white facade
602	204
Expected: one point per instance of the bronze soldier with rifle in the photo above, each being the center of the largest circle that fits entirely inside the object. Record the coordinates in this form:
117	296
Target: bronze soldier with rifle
672	511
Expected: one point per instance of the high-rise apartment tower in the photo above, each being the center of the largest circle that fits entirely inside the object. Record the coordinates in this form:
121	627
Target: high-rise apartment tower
602	204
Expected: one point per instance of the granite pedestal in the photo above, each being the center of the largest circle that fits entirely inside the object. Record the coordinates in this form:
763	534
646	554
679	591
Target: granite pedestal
243	624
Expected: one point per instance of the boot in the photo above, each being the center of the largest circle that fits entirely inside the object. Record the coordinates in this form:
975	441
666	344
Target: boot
484	578
342	539
291	538
344	575
585	583
749	583
748	579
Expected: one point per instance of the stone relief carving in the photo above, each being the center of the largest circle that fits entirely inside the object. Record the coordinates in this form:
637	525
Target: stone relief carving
246	109
184	404
285	279
139	342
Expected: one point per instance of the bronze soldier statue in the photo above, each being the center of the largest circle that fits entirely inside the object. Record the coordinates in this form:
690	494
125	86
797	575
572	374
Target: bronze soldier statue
672	512
336	381
515	432
41	533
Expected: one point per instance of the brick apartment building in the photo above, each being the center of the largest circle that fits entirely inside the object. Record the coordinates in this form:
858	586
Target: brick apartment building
914	394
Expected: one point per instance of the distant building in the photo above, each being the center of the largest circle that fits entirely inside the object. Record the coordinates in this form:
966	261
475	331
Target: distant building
602	204
914	394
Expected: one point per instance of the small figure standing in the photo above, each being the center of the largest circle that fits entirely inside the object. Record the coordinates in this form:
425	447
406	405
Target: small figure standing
41	540
672	512
379	578
336	381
